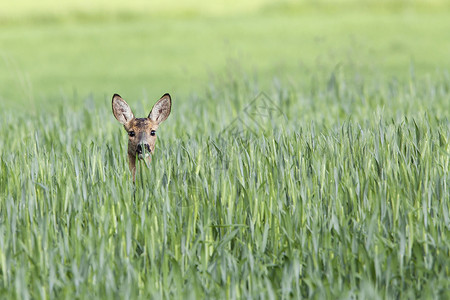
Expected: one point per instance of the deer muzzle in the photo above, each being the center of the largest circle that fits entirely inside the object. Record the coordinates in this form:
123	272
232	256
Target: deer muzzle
143	150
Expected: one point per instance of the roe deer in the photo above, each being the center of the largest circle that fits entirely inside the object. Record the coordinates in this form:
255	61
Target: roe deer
141	131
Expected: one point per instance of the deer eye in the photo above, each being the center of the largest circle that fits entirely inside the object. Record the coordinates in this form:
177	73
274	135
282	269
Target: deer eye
153	132
131	133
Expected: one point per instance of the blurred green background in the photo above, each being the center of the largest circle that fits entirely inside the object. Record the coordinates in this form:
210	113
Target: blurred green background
72	50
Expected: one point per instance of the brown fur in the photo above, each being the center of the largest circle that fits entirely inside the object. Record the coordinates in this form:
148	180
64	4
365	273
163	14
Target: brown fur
141	127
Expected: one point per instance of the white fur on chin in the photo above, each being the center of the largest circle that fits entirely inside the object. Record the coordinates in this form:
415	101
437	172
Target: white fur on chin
142	156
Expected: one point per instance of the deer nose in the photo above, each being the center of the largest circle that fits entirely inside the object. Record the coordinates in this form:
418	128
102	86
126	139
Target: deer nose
140	147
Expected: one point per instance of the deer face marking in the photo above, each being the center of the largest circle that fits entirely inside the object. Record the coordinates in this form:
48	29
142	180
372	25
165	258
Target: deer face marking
141	141
141	131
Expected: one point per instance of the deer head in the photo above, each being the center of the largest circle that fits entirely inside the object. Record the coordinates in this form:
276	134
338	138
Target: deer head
141	131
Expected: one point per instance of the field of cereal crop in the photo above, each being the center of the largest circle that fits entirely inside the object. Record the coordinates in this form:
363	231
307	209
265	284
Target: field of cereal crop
307	154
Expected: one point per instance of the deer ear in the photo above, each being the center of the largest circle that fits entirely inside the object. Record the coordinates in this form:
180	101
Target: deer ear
161	109
121	110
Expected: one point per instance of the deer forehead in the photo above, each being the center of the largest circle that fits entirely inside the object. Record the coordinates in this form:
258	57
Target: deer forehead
141	125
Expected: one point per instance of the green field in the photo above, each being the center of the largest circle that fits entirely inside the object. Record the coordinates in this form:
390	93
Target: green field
307	154
85	52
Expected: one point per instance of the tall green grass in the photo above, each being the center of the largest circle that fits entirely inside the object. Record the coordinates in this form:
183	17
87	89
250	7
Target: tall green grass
341	191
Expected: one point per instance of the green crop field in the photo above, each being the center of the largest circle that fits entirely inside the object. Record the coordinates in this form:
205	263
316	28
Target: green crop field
307	154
